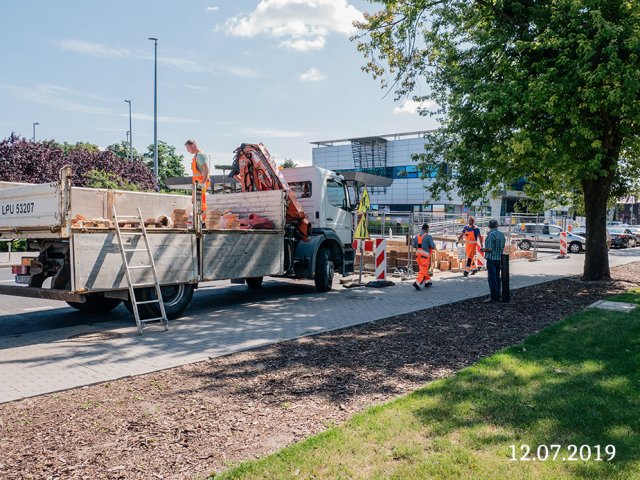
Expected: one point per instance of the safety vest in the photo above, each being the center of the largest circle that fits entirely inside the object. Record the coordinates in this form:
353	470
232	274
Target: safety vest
420	249
470	236
197	176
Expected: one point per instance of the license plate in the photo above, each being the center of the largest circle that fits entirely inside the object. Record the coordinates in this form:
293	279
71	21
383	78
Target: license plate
23	279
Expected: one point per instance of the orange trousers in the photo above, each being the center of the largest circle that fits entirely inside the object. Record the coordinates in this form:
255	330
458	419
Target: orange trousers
470	253
424	260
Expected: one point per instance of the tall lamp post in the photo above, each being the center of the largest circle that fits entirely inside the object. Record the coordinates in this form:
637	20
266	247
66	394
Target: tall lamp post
130	136
34	130
155	106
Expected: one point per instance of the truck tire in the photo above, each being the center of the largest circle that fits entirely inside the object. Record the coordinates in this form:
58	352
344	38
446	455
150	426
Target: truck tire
176	300
254	283
96	303
324	270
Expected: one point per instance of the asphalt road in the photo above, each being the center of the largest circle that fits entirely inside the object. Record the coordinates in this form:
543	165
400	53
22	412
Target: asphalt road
19	315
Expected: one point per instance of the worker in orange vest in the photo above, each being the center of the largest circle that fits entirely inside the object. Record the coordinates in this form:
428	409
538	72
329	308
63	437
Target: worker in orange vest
471	235
425	246
200	171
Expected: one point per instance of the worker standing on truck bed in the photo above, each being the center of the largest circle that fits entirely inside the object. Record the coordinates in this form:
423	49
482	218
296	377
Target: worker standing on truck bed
425	246
200	170
472	237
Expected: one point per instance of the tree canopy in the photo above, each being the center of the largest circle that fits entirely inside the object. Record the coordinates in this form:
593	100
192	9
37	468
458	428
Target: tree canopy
169	163
22	160
543	90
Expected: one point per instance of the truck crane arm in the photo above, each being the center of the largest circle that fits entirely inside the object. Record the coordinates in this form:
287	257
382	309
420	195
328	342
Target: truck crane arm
255	170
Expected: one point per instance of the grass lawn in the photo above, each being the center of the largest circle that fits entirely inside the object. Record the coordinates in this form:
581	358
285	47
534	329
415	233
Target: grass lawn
632	296
576	383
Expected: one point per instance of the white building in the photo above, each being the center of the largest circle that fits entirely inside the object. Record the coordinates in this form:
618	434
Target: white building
391	156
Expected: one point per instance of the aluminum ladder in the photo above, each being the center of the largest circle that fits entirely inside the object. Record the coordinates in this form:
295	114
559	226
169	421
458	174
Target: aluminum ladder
139	232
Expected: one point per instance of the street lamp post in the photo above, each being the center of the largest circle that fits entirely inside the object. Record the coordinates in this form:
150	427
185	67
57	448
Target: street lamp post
155	106
130	136
34	130
127	136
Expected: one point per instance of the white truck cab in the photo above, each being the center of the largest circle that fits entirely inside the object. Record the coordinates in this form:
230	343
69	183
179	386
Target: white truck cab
325	199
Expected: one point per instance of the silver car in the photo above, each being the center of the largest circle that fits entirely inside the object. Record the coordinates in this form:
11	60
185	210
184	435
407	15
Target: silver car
548	236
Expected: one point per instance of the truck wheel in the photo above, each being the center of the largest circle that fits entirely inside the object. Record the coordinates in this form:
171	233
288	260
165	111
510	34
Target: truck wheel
176	300
254	283
96	303
324	270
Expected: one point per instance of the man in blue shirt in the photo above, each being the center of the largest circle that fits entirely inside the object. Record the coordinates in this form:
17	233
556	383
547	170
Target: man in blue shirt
424	245
493	248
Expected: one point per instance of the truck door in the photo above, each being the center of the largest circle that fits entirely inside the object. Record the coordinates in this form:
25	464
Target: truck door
336	210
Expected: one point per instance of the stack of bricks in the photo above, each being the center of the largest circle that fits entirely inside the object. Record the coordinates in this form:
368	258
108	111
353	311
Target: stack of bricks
230	221
180	218
212	221
447	260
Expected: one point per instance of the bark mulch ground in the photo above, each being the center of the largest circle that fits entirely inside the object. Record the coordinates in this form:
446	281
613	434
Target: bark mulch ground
190	421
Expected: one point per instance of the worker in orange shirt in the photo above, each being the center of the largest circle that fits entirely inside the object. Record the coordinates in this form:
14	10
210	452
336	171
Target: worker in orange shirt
200	171
471	235
425	246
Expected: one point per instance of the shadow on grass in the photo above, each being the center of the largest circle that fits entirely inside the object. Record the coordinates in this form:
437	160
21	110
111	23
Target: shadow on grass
575	383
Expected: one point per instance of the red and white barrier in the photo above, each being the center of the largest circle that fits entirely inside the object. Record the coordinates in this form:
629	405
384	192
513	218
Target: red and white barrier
379	248
480	261
563	243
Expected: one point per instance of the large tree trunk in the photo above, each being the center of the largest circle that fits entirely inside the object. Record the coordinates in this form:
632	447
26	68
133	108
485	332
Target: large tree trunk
596	262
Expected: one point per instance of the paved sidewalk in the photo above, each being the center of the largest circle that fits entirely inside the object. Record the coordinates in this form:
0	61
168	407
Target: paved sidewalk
52	360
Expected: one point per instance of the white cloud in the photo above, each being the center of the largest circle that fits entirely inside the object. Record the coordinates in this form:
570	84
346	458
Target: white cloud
69	100
94	49
305	24
272	133
213	9
183	64
412	107
162	119
302	45
61	98
196	88
312	75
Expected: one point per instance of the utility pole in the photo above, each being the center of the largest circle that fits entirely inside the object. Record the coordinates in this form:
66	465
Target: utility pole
130	132
155	106
34	130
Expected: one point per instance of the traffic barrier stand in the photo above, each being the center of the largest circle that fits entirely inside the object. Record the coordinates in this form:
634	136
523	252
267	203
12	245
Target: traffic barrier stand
563	245
480	261
378	246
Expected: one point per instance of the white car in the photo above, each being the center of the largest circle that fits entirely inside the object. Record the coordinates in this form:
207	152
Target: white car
548	236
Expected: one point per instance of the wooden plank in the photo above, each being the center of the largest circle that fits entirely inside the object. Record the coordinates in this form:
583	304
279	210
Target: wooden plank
98	264
240	254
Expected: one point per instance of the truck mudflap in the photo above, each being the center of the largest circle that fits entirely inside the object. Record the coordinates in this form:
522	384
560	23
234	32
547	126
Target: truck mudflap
46	293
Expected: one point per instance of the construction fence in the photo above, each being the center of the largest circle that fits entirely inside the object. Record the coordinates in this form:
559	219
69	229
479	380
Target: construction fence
398	228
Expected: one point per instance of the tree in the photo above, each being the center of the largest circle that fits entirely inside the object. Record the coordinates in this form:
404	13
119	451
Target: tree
169	163
288	163
545	90
22	160
122	150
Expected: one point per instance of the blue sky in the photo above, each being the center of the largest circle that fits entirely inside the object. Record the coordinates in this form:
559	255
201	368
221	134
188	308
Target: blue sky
281	72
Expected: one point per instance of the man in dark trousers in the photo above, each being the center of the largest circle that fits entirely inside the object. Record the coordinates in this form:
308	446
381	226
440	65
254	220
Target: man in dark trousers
425	246
493	248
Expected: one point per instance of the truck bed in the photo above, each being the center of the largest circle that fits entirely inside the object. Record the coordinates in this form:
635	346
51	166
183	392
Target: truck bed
45	212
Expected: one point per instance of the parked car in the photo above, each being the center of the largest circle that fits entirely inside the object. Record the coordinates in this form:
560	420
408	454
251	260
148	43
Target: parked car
616	224
582	231
622	237
635	229
548	236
